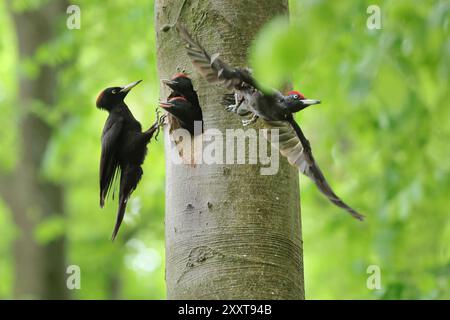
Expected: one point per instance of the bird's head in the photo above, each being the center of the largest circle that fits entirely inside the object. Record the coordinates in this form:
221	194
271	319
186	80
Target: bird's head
114	96
296	101
181	83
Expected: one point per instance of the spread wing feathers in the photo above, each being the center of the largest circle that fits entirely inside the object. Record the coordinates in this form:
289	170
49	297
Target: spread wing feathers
228	99
211	67
109	165
295	147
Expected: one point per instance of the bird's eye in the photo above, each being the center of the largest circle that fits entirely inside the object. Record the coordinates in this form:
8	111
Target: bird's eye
113	92
295	96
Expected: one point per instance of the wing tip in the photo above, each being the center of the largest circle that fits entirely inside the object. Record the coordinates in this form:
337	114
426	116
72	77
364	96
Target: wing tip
358	216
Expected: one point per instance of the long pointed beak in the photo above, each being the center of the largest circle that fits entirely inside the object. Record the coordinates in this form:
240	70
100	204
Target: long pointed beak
310	102
169	83
130	86
163	104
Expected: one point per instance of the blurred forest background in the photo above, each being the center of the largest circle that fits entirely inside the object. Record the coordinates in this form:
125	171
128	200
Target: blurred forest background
381	136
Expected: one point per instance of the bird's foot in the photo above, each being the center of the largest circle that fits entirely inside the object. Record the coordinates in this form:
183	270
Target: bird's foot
158	123
231	108
246	123
162	120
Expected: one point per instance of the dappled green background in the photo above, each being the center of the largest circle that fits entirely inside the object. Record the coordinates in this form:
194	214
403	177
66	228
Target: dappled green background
381	136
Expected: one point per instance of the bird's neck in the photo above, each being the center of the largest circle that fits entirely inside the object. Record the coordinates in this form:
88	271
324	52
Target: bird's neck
119	108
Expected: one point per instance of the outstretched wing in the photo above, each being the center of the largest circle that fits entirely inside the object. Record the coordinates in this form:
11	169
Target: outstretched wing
109	164
296	148
211	67
293	144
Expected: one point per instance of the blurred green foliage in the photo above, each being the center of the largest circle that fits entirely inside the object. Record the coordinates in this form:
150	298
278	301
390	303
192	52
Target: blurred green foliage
115	45
381	136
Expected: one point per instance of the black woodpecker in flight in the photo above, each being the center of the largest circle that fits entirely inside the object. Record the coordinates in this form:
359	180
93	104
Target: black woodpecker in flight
275	109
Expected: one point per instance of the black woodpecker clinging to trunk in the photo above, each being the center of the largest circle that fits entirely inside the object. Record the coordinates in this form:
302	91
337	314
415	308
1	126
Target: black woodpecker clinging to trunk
124	147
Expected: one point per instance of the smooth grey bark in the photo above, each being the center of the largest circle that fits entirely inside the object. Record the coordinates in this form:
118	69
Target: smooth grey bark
231	233
39	268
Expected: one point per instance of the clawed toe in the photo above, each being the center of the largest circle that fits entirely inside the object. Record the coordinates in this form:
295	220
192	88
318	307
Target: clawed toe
246	123
231	108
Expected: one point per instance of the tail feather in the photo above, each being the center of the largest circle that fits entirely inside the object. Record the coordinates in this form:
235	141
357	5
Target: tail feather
130	177
120	215
296	148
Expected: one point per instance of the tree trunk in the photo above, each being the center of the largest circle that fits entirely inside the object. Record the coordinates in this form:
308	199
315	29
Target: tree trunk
231	233
39	268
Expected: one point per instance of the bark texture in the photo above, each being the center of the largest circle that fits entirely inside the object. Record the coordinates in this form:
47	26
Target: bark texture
231	233
39	269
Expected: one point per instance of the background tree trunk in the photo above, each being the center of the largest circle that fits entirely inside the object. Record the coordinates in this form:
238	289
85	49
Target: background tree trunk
231	233
39	269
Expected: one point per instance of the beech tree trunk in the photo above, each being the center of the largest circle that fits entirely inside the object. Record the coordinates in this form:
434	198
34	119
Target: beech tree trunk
231	233
39	268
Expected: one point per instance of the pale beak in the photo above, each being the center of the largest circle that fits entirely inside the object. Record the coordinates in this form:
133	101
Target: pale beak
165	104
168	81
309	102
130	86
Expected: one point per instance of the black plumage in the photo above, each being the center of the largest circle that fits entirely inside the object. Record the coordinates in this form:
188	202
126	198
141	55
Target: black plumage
124	147
275	109
187	110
